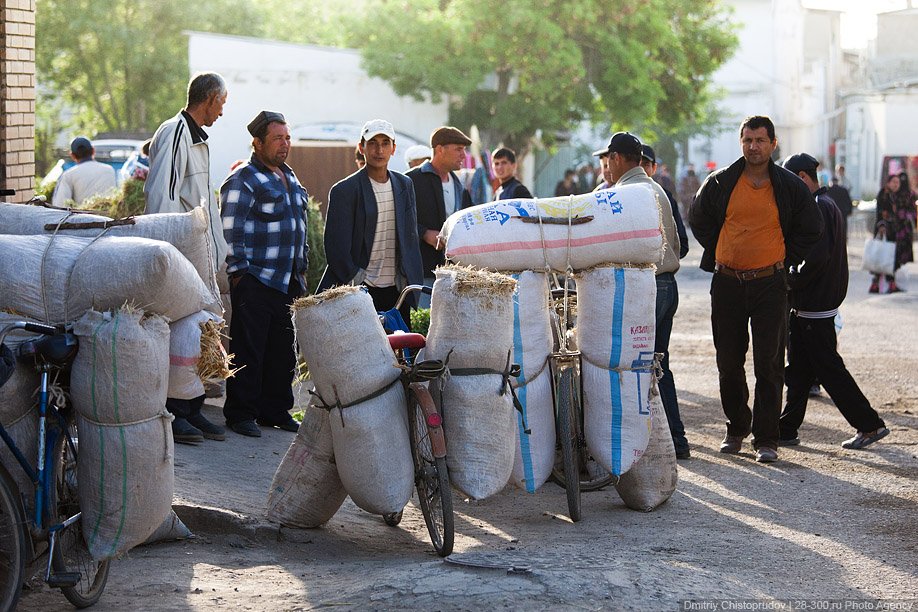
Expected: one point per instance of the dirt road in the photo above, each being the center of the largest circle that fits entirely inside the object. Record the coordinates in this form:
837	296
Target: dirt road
821	524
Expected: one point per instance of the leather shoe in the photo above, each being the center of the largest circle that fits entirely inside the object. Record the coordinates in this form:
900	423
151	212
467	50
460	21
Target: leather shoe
795	441
731	444
288	425
765	454
210	430
246	428
184	432
683	452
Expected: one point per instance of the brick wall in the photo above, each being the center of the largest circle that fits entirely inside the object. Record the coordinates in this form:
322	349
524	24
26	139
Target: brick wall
17	97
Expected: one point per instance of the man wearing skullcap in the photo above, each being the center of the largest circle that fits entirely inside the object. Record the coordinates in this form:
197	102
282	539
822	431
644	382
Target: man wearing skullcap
264	222
179	181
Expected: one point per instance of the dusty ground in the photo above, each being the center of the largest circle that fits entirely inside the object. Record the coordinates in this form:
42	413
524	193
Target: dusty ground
821	524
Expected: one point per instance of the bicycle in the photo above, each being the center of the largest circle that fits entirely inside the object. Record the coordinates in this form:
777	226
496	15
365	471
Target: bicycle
425	425
573	455
52	533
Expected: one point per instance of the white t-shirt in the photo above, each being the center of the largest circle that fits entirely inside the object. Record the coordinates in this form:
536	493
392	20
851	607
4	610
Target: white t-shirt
381	270
449	196
83	181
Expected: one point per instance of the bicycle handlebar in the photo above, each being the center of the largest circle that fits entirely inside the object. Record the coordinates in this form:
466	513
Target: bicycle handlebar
35	328
408	291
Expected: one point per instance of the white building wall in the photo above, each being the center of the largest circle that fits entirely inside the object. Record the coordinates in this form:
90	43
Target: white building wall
310	85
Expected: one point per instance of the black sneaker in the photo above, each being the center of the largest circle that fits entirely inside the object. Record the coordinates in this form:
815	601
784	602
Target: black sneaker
184	432
246	428
210	430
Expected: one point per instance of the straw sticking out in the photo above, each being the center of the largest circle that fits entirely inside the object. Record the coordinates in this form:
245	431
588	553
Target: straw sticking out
215	362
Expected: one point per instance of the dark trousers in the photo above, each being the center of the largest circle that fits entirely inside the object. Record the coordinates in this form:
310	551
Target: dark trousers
812	353
262	340
735	307
667	304
182	409
384	298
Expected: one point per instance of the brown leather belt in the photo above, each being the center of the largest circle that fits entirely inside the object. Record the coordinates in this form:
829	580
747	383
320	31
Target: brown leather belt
748	275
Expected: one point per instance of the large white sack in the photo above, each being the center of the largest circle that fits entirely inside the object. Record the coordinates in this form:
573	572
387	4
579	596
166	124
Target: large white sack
125	481
20	392
626	227
616	315
57	281
24	432
535	451
189	232
184	355
478	420
373	453
344	345
306	490
121	372
652	480
471	318
616	415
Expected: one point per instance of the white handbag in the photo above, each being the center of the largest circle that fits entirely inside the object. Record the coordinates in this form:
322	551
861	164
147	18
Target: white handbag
879	256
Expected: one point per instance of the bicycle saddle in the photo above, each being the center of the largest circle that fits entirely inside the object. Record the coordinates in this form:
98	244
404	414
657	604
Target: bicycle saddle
58	350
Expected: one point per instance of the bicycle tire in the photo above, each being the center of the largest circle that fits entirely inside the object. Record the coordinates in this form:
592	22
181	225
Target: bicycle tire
432	482
569	437
70	552
13	544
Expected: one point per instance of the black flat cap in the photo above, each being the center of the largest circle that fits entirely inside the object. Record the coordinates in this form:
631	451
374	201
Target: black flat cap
801	162
257	125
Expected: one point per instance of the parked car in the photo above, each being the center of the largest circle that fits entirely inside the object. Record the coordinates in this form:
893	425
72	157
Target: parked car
111	152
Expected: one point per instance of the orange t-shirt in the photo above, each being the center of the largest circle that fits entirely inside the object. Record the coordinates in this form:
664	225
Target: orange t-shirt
751	237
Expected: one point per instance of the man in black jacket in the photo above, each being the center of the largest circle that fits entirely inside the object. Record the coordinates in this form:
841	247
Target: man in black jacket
818	287
504	163
753	220
439	193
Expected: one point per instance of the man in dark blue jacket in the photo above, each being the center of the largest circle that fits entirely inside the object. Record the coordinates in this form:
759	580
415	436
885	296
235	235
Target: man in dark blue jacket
371	235
818	287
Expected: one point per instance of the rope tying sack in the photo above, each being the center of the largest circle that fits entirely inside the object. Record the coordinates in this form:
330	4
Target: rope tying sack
321	403
511	370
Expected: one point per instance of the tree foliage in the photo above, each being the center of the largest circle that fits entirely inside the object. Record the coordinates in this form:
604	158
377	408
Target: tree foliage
523	67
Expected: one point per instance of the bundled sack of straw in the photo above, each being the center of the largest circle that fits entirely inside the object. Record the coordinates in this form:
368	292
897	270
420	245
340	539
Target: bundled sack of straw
615	333
306	490
357	377
188	232
532	346
56	279
118	386
196	354
471	326
126	482
652	480
617	224
121	373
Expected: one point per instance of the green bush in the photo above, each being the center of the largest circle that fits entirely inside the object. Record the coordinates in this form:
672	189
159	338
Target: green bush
315	235
46	190
126	201
420	320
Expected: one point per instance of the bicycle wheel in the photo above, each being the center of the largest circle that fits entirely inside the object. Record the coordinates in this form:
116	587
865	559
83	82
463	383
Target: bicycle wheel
13	545
569	437
70	552
431	477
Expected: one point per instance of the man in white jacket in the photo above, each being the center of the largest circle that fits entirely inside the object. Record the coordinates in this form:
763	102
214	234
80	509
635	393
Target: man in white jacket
178	181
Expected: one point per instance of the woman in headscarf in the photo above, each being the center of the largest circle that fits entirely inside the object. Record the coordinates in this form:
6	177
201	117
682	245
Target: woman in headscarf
895	221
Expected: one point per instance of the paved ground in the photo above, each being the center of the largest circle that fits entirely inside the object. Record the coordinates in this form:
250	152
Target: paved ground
823	527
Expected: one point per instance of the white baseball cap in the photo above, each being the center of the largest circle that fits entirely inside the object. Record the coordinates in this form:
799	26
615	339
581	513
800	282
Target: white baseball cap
417	151
377	126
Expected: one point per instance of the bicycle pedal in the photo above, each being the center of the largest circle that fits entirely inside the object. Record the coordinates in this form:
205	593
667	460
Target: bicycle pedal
61	580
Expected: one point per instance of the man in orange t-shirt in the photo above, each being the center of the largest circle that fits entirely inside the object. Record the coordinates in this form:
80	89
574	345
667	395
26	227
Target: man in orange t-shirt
754	220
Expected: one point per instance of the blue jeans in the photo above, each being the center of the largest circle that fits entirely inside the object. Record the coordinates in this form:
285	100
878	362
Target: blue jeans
667	304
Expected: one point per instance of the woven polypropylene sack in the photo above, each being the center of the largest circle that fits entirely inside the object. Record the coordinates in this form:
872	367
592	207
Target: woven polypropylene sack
624	225
125	482
24	433
24	220
535	450
184	355
121	372
56	279
344	345
471	318
652	480
306	490
478	420
373	453
19	393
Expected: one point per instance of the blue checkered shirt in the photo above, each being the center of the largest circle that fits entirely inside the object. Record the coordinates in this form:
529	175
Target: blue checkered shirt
265	225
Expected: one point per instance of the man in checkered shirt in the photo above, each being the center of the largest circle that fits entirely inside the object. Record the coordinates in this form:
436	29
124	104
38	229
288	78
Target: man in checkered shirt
263	207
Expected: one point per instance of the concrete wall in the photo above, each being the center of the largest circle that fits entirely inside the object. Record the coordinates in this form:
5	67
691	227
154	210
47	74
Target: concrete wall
310	85
17	97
